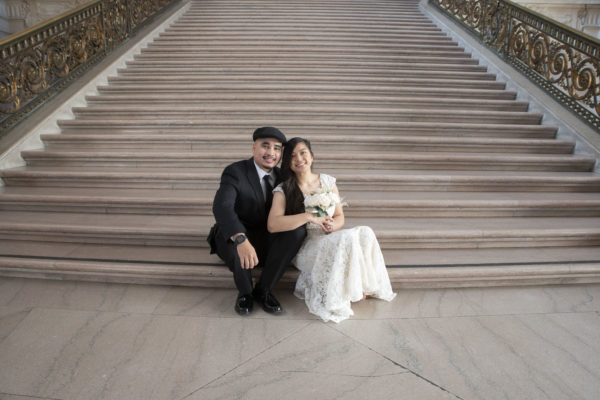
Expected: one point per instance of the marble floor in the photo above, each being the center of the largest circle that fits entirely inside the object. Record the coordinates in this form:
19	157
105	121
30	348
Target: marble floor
81	340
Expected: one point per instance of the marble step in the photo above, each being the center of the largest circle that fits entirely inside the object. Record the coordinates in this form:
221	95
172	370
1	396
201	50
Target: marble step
229	80
282	51
252	64
202	34
270	111
238	100
370	143
392	233
370	180
398	258
306	58
360	204
294	91
293	73
218	276
346	41
300	127
190	29
384	161
293	19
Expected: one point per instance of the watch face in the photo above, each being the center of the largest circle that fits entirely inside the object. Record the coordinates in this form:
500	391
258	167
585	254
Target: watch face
240	239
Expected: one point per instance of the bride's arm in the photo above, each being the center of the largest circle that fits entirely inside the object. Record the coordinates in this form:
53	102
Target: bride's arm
338	214
279	222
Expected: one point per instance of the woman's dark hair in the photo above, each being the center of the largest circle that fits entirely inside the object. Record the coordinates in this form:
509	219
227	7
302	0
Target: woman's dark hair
294	199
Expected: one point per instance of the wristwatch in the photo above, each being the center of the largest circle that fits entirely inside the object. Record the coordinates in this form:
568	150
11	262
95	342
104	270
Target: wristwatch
240	239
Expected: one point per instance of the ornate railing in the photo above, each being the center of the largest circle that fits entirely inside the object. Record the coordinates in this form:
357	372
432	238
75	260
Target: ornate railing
36	64
563	62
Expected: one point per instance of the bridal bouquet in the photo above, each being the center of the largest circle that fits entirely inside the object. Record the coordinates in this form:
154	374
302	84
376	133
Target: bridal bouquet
321	201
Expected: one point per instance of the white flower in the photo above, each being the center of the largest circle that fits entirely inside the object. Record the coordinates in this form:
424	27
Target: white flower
321	202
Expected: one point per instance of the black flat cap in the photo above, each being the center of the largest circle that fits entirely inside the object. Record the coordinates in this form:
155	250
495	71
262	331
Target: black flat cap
269	132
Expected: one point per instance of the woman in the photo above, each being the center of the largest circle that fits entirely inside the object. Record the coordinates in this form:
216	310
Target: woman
336	266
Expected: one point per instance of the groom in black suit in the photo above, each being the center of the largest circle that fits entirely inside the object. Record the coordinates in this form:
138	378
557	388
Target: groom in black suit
240	237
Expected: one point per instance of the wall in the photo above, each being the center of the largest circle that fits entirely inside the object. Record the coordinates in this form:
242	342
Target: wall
583	15
18	15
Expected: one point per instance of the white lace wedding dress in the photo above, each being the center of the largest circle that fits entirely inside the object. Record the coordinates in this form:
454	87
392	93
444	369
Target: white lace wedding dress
339	268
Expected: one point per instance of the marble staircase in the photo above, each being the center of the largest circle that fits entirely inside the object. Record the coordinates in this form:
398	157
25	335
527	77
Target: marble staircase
463	185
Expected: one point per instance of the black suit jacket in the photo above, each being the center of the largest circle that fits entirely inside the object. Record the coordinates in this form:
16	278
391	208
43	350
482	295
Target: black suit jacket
239	204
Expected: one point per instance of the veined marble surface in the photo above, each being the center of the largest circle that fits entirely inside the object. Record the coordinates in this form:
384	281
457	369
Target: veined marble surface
81	340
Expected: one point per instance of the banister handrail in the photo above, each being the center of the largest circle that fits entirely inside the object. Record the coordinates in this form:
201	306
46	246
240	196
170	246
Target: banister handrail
564	62
38	63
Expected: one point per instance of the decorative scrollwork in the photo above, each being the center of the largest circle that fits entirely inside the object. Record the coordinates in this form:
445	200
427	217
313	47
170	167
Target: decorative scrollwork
32	72
538	53
35	65
115	17
9	98
560	60
57	56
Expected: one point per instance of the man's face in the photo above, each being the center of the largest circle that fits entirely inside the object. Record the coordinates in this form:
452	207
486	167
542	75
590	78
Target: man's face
266	153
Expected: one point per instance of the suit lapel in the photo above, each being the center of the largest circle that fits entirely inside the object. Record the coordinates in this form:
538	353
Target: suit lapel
254	181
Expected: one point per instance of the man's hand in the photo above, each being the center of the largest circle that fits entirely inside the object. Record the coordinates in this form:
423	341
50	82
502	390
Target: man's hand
248	257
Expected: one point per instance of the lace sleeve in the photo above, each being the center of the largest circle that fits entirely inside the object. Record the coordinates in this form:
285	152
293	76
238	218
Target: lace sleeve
278	189
328	181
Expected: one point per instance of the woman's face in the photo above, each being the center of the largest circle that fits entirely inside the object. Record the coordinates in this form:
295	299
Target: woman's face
301	159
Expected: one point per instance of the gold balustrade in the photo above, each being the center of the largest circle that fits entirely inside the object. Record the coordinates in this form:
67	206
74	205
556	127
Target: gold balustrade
39	62
564	62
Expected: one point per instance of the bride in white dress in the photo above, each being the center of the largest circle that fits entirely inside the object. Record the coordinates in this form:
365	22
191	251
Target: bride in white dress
337	266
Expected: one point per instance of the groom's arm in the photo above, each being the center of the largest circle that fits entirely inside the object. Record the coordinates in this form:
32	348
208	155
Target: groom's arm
224	204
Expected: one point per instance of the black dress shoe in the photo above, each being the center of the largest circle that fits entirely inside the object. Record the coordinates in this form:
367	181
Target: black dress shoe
243	304
268	301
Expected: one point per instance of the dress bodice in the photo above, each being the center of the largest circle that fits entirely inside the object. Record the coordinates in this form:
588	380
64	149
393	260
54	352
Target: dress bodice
323	198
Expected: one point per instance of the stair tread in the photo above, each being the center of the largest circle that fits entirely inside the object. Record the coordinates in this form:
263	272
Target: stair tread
351	196
315	139
340	174
200	257
199	225
330	155
336	69
160	112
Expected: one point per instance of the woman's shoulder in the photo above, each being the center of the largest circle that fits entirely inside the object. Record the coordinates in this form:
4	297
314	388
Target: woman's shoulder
327	180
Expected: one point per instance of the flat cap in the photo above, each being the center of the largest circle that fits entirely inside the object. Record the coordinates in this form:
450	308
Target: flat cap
269	132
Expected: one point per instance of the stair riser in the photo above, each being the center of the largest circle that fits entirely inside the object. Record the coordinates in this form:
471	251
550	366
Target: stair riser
479	243
452	185
370	86
283	118
306	51
219	277
296	57
174	103
231	37
295	94
291	130
492	165
390	243
256	65
61	144
114	183
397	73
106	239
350	212
419	47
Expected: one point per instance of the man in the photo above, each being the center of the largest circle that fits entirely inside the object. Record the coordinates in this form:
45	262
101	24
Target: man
240	237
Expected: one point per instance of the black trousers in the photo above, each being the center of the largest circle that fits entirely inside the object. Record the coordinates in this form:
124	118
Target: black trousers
275	252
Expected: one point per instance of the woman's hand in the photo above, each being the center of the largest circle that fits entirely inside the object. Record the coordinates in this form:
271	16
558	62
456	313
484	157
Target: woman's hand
325	222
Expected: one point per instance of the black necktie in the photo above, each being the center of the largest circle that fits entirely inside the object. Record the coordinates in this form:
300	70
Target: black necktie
269	192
